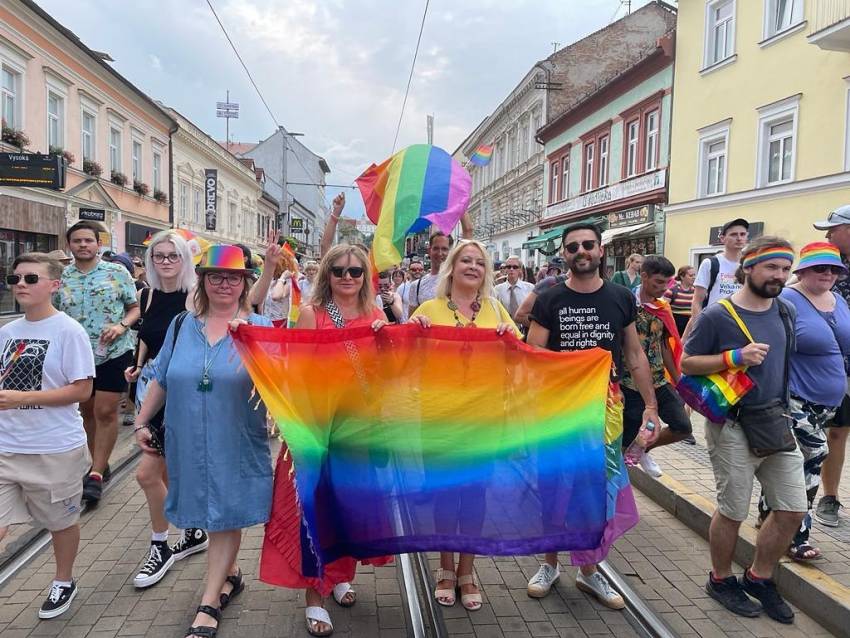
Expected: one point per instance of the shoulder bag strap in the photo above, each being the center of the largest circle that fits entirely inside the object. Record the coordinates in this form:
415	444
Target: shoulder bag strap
335	314
731	310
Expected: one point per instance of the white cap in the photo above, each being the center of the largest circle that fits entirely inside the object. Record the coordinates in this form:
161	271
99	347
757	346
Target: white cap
839	216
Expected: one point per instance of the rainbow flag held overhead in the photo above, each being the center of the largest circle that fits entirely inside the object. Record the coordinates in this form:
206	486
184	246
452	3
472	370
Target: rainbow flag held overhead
294	311
482	155
411	440
416	187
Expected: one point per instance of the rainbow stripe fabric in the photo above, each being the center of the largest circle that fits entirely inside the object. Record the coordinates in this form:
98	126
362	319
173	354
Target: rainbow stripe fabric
294	291
769	252
714	395
819	253
223	257
448	439
414	188
482	155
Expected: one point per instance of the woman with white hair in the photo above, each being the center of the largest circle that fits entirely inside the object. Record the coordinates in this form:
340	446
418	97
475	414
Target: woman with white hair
465	299
171	275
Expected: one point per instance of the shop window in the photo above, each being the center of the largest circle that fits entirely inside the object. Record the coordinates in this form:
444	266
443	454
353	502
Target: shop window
12	244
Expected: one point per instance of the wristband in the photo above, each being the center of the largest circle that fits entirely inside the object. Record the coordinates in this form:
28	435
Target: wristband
123	325
141	427
733	358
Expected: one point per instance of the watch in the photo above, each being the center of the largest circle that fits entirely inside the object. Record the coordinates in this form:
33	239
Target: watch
123	325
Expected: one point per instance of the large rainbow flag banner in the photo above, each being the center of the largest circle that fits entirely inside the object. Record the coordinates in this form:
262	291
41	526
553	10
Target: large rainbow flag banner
449	439
408	192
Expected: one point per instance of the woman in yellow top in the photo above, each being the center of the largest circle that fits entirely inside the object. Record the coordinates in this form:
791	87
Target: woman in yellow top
465	299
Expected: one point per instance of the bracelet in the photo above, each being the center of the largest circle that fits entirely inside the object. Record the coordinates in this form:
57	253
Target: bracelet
733	358
141	427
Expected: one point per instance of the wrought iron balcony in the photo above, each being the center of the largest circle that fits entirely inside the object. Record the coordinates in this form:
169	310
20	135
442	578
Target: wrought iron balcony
831	25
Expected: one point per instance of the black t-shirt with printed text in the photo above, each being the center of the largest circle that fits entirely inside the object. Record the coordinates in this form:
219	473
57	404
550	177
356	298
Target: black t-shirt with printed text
580	321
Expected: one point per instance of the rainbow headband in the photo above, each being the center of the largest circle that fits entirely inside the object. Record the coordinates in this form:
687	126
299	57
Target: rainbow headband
771	252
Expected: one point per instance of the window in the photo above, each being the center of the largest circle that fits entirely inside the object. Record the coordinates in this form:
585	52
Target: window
603	161
554	194
714	141
157	170
651	144
234	220
55	120
523	142
184	199
115	150
10	104
565	177
720	31
14	243
632	144
197	196
137	161
89	124
588	167
781	15
777	142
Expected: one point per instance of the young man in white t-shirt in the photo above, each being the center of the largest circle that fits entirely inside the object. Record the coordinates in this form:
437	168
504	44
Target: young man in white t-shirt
46	369
734	236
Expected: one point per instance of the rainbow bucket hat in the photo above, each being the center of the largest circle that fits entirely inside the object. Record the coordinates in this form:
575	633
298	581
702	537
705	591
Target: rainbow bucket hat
820	253
223	257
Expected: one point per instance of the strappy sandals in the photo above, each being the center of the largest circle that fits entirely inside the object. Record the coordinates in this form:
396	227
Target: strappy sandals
470	602
205	631
445	597
238	585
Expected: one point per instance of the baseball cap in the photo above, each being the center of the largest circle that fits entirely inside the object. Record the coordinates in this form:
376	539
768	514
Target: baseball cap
558	263
735	222
839	216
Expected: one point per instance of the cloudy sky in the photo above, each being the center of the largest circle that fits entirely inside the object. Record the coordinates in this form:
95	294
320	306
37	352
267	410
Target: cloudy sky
334	70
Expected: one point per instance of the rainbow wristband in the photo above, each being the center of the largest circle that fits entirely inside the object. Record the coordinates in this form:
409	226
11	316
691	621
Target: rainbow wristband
733	358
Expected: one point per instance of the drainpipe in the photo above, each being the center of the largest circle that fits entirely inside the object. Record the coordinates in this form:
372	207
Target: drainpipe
171	133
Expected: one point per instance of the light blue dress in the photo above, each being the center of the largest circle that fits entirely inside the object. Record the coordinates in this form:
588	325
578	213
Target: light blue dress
217	449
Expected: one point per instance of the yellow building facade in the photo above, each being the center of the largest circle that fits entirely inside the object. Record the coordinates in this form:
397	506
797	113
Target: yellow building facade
761	126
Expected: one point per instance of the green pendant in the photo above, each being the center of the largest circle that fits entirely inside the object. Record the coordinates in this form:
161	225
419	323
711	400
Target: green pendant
206	384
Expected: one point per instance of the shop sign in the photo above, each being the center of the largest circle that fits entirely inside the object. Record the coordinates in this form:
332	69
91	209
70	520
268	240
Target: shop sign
639	245
756	230
33	170
631	217
93	214
210	198
296	224
615	192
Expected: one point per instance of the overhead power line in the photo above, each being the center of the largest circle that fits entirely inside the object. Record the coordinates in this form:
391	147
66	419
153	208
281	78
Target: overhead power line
410	77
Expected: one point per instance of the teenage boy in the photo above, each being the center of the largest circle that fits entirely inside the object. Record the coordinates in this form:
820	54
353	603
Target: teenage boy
46	369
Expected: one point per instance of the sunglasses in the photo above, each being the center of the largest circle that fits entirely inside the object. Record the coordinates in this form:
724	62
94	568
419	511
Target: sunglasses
216	279
30	278
355	271
160	258
835	270
512	267
587	244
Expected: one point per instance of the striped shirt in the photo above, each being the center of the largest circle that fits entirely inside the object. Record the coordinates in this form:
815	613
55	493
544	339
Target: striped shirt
680	299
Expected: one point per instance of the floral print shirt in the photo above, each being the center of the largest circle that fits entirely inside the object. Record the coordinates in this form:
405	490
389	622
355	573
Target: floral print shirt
97	299
652	335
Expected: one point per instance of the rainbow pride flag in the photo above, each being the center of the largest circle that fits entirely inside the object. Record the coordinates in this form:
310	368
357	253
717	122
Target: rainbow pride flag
294	311
415	440
416	187
482	155
713	395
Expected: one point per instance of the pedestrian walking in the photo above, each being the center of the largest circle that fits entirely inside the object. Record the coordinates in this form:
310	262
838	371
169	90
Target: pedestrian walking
755	330
586	311
216	447
630	277
680	296
817	376
716	277
837	227
343	297
46	370
514	290
172	275
102	297
465	298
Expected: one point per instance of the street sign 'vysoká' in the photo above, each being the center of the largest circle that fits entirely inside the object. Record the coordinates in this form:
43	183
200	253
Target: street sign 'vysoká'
32	169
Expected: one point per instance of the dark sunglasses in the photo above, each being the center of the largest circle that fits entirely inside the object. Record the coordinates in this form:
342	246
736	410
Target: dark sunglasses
587	244
30	278
512	267
355	271
835	270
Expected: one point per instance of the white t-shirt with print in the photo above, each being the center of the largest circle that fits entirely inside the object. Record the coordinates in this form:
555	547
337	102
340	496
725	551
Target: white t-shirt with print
422	290
725	284
43	355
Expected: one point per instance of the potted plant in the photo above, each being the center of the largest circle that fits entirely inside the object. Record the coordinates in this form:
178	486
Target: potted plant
92	168
160	196
141	188
15	137
118	178
68	155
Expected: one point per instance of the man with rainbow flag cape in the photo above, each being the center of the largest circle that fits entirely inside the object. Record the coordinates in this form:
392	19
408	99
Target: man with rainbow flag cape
587	312
656	328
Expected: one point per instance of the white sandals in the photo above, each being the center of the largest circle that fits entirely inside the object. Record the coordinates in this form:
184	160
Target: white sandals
445	597
470	602
316	615
340	591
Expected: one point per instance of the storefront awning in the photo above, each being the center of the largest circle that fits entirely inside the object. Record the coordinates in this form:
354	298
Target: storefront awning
611	233
540	241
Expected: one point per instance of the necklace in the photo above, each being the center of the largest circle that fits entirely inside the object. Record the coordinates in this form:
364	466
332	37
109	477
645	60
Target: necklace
205	384
475	306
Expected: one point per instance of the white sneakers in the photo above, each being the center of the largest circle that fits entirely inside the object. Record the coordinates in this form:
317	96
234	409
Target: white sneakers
648	465
596	585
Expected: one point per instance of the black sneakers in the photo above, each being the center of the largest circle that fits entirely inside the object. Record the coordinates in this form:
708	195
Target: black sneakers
192	541
729	593
772	603
92	490
58	601
160	559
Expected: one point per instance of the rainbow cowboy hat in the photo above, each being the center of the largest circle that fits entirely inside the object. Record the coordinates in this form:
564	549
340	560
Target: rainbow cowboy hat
223	257
820	253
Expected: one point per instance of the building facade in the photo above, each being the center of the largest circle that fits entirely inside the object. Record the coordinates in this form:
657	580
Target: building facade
760	121
239	218
510	194
64	98
607	159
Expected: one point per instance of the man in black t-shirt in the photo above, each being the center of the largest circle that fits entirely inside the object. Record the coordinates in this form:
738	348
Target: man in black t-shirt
581	313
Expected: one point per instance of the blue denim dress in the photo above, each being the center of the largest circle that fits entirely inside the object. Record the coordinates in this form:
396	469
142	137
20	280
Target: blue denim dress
217	449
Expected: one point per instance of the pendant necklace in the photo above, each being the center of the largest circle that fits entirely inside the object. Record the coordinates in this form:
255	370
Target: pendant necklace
205	384
475	306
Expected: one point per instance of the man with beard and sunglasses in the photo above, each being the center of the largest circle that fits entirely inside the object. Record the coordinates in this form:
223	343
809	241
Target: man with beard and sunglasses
718	341
583	312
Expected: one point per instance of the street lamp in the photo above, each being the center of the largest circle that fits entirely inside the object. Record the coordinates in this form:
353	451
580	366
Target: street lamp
284	200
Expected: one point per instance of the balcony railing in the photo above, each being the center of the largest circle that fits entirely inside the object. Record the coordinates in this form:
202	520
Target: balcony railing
830	21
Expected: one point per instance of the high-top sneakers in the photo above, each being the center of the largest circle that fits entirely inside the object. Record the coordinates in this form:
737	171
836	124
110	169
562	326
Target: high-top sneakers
160	559
192	541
